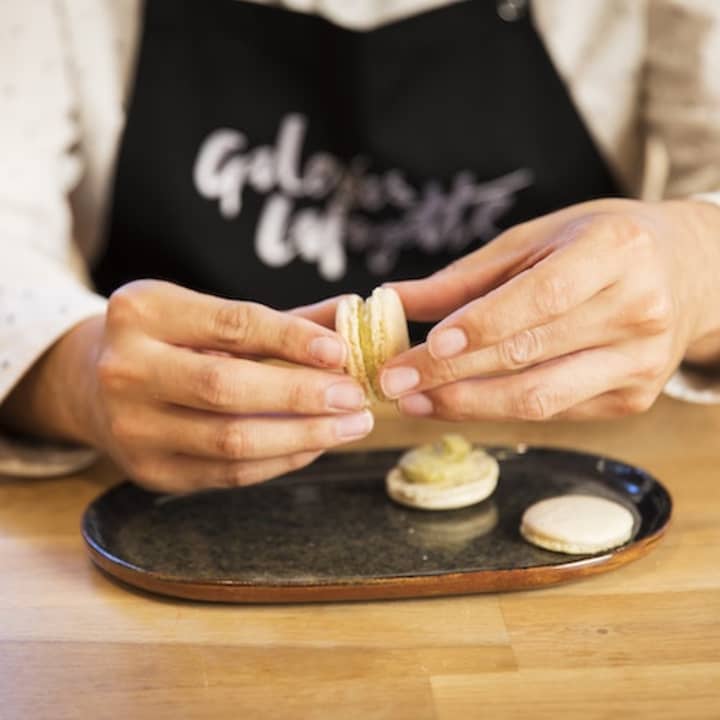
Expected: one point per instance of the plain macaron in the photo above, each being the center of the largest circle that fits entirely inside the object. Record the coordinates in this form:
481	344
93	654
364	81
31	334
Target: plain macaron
577	524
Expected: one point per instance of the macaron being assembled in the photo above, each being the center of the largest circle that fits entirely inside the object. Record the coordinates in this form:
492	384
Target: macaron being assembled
445	475
577	524
375	331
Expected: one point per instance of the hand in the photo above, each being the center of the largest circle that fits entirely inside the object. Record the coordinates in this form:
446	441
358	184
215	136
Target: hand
167	384
583	313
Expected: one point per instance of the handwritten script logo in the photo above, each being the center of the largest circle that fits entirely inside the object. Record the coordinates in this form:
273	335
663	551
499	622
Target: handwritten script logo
348	200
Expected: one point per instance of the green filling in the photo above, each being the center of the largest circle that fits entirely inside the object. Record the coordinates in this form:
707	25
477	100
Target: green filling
368	349
441	463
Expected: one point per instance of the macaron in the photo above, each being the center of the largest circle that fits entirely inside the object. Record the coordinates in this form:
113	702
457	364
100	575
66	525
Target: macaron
445	475
577	524
375	331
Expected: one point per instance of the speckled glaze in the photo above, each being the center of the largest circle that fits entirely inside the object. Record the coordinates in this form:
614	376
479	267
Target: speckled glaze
332	524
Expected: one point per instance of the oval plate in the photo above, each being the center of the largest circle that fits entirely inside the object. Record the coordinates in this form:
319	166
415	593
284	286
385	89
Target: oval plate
329	532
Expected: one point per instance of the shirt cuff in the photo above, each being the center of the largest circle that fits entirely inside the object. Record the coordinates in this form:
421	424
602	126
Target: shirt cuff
711	197
28	457
694	386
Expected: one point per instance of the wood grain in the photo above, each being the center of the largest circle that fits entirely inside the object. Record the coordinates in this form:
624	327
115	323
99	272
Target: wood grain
642	641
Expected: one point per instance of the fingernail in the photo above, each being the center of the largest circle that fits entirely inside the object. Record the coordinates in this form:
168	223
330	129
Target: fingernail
328	351
396	381
354	426
447	343
345	396
417	404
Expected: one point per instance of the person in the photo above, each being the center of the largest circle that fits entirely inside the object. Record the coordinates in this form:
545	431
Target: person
540	180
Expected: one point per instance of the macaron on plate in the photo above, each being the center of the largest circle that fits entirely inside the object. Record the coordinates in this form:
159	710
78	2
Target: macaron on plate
447	474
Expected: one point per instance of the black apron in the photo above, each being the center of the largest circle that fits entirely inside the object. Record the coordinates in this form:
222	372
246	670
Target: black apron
274	156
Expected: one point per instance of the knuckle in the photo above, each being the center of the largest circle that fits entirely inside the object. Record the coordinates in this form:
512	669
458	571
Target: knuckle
533	403
106	370
656	314
120	307
634	240
552	295
233	442
520	350
645	402
444	371
112	374
212	387
232	322
635	403
652	369
301	396
127	304
286	335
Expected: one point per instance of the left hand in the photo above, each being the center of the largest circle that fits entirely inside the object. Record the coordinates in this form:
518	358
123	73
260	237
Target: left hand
583	313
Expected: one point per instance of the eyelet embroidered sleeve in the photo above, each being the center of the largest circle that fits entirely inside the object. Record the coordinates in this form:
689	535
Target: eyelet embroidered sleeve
682	92
42	290
682	113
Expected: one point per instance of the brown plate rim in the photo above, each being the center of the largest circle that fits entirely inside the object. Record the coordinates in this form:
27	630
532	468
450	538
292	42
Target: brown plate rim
401	587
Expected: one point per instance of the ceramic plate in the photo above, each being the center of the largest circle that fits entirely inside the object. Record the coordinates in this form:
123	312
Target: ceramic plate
329	532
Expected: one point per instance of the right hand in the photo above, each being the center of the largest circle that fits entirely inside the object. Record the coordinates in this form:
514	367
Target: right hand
180	401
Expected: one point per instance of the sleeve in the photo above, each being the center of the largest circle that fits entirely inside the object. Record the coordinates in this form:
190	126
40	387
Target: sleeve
682	93
682	116
43	286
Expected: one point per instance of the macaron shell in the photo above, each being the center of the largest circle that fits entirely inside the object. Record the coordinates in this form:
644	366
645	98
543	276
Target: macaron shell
439	497
348	317
388	324
577	524
388	330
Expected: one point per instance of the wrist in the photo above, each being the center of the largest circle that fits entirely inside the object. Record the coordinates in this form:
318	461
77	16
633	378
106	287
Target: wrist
55	398
75	383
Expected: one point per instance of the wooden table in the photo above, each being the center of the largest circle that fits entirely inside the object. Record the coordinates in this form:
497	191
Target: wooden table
641	642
